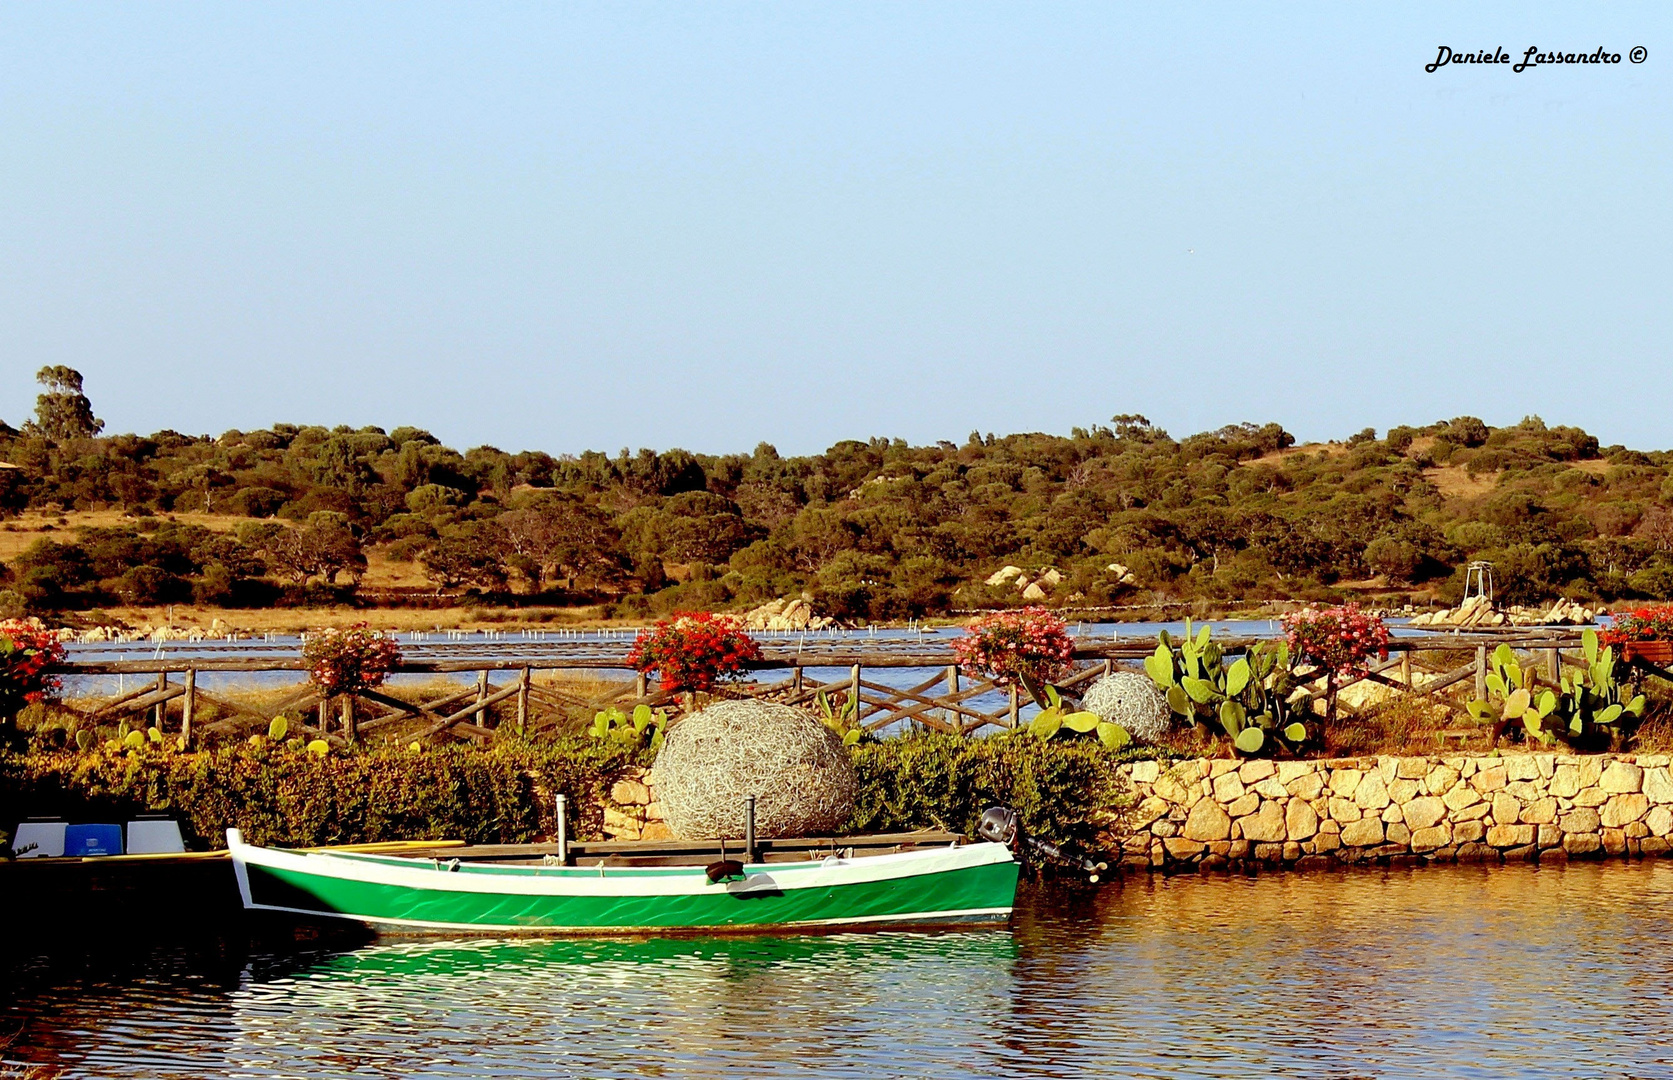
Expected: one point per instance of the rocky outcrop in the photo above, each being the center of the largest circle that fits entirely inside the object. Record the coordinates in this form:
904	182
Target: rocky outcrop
1522	808
785	614
1476	611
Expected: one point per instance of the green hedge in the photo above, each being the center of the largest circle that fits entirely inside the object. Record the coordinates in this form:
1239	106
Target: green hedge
504	793
288	797
1064	790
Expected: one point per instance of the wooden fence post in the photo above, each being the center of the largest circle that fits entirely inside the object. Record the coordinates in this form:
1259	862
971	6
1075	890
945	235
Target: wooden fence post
481	696
188	706
1554	665
348	717
523	701
1406	667
952	691
1013	708
640	686
854	692
1481	672
324	715
160	711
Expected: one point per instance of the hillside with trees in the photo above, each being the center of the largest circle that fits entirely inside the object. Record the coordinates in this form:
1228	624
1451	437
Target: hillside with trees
873	529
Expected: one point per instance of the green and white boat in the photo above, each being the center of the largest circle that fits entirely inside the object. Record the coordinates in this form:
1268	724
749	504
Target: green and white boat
957	884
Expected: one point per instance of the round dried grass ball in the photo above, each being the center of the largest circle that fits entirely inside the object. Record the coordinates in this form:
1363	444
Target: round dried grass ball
795	766
1131	699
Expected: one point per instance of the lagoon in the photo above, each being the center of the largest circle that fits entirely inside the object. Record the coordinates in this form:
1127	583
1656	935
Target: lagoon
1454	971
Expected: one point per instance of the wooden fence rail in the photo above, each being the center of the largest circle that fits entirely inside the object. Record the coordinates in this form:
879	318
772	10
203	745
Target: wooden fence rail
944	700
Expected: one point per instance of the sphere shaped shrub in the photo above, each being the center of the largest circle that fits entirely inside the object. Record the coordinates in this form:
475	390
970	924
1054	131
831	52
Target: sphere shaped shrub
1131	699
795	766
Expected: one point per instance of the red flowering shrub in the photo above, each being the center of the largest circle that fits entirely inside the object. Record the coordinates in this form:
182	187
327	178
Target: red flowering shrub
349	661
26	651
1640	624
1016	647
1341	640
692	650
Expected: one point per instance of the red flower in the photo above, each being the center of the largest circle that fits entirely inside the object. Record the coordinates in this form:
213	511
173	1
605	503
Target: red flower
1341	640
1010	645
692	650
1641	624
349	661
26	651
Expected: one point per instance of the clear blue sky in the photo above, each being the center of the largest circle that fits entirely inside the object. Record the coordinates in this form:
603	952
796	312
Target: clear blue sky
571	226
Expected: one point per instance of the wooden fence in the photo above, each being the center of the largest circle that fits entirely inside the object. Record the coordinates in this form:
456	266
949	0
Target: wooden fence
944	699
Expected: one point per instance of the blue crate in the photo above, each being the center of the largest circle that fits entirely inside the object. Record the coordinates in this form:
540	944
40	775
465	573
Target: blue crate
92	840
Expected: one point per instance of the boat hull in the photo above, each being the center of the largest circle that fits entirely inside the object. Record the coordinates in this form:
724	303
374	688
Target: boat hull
970	884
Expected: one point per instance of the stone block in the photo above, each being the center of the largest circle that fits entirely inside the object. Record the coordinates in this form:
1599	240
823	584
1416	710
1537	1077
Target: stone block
1291	771
1170	787
1566	783
1659	820
1220	767
1653	846
1147	811
656	830
1431	838
1145	772
1270	788
1591	771
1508	836
1292	851
1265	826
1239	849
1300	823
1540	812
1471	813
1344	811
1244	805
1363	833
1252	771
1591	796
1525	853
1404	791
1228	788
1547	765
1581	820
1328	842
1580	844
1391	813
1459	796
1506	810
1425	811
1440	779
1636	830
1472	853
1550	836
1621	778
1344	782
1521	767
1326	825
1164	828
1525	790
1372	792
630	793
1489	778
1621	809
1180	848
1387	768
1398	834
1658	786
1308	786
1269	853
1411	768
1207	822
1614	841
1468	832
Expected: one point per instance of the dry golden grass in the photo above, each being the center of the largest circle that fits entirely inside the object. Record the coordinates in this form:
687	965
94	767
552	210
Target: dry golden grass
1454	482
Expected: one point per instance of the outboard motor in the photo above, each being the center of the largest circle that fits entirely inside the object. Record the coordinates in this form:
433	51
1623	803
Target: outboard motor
1001	825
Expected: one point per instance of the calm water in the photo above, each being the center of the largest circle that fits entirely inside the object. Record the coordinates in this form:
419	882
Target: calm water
1459	972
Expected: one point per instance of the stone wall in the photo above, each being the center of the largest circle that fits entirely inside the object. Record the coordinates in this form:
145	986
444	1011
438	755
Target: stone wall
1523	807
636	815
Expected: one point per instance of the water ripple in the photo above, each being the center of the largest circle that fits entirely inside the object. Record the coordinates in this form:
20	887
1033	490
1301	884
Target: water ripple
1448	973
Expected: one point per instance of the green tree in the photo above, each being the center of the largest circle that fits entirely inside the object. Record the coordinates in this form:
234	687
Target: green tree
63	412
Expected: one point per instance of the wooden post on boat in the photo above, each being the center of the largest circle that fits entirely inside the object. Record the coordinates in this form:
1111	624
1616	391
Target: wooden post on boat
1481	672
188	706
563	830
749	828
523	678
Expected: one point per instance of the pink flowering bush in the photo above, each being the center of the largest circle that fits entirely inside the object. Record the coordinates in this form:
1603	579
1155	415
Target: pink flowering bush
1339	640
1026	648
350	660
26	651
